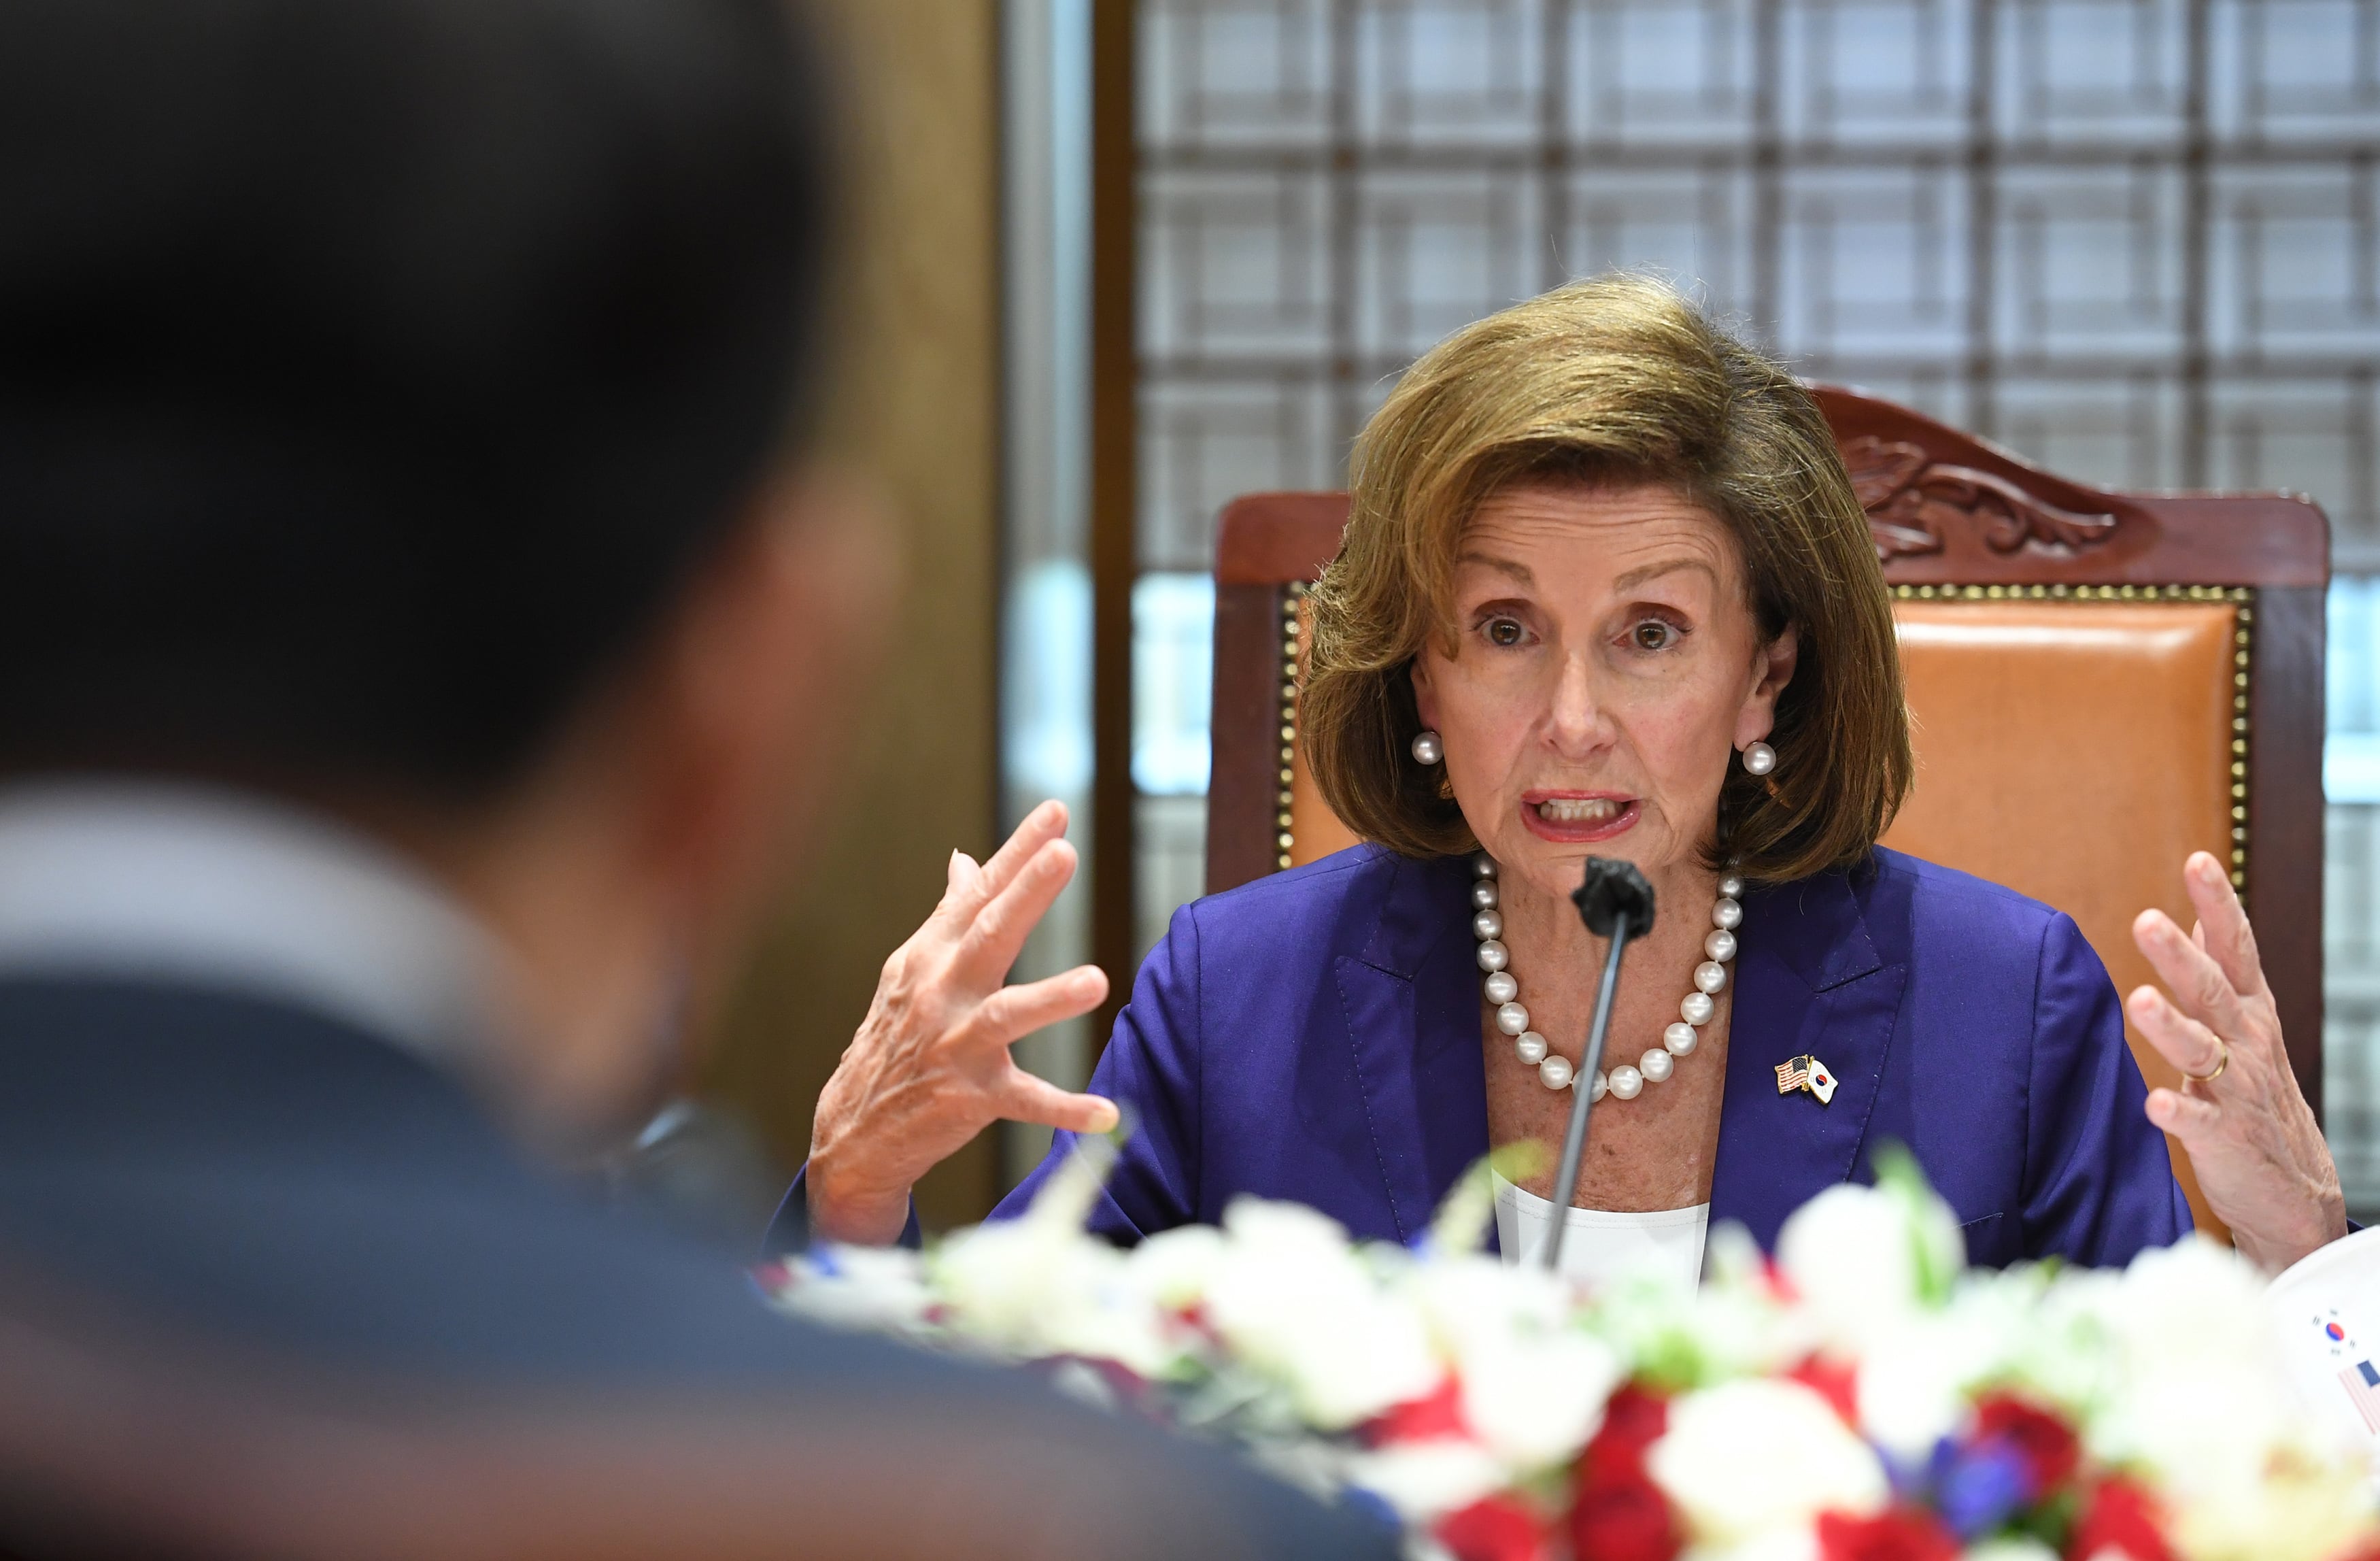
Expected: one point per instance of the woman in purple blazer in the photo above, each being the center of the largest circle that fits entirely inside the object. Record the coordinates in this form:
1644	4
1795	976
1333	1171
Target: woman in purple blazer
1605	591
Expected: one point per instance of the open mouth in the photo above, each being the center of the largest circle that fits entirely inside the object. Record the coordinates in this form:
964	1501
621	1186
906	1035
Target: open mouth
1574	817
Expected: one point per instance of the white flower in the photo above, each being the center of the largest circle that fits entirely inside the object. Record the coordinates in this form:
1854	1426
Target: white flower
1746	1457
2293	1509
1174	1268
1034	1289
2199	1399
878	1287
2066	1352
1911	1390
1795	1542
2185	1385
1426	1479
1533	1383
1863	1258
1295	1300
1734	1325
2011	1549
1535	1402
1918	1377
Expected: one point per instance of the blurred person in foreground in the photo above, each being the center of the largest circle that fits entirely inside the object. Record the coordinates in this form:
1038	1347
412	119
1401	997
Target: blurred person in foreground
416	629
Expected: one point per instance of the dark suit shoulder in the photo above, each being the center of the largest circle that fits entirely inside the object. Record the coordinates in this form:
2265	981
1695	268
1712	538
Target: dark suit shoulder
252	1173
256	1179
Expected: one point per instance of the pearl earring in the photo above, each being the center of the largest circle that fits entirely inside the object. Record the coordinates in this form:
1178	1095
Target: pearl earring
1759	758
1427	749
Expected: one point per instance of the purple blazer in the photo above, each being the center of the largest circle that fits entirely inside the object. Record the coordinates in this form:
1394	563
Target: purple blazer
1315	1035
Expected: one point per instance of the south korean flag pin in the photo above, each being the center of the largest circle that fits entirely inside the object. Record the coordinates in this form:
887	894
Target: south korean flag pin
1808	1075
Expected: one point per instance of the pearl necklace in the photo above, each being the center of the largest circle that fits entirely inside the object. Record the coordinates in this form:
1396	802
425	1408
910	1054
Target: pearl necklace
1557	1071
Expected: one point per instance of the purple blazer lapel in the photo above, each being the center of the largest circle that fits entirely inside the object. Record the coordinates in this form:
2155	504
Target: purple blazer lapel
1809	980
1412	1028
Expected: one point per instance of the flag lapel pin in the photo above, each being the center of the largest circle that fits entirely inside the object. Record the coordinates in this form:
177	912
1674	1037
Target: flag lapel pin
1807	1074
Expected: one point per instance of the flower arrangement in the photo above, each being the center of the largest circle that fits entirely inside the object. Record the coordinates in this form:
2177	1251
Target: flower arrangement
1861	1398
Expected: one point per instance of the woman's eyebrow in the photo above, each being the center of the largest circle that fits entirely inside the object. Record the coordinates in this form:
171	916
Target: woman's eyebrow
1514	568
1644	572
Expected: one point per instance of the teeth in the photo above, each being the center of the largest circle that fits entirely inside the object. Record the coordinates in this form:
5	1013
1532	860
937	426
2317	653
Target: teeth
1578	809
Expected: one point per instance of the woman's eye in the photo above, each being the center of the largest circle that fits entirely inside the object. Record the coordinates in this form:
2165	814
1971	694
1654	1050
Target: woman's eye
1654	635
1503	631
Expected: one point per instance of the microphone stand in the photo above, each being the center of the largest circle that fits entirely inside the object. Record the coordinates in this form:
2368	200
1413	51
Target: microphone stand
1617	902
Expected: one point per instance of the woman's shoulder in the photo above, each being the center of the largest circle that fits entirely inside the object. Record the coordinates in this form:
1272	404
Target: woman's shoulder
1954	890
1899	909
1948	914
1941	890
1365	900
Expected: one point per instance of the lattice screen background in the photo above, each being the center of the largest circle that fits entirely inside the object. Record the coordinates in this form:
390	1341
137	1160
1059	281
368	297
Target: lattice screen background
2134	240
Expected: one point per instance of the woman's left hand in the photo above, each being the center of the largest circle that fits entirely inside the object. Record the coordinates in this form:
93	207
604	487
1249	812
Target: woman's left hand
2252	1140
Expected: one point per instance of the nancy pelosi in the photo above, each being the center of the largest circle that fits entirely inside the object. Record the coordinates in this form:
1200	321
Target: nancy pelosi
1605	591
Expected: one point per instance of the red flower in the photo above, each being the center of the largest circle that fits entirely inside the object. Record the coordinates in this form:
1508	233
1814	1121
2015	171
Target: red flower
1431	1417
1623	1521
2046	1442
1900	1535
1835	1382
1616	1513
1494	1529
1633	1421
2119	1515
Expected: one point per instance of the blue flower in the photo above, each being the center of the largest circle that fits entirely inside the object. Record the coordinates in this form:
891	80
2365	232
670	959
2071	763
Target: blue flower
1983	1488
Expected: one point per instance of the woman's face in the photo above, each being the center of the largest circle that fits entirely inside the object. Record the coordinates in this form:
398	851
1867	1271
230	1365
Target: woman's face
1607	669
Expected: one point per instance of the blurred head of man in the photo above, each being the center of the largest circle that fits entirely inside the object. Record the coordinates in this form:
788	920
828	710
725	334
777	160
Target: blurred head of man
396	400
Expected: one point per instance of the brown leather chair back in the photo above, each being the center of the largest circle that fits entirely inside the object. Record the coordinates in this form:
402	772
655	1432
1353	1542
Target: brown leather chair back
2099	684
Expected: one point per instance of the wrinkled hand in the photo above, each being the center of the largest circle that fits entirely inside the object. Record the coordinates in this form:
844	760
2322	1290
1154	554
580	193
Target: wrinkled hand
930	1068
2258	1151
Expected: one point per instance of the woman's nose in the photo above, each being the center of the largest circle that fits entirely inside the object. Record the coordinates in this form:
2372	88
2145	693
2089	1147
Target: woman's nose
1578	725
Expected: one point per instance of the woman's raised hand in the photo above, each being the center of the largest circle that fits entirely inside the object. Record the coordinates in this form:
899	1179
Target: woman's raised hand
929	1067
2252	1140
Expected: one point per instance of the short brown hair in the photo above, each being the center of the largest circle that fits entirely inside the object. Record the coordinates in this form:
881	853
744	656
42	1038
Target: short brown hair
1618	379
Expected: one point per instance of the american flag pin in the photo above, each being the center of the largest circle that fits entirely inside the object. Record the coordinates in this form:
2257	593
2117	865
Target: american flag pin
1807	1074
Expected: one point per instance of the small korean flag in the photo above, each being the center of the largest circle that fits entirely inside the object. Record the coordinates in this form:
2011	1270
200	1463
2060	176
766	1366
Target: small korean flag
1822	1083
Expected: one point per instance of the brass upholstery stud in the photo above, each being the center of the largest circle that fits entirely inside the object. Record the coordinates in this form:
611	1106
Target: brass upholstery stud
1285	798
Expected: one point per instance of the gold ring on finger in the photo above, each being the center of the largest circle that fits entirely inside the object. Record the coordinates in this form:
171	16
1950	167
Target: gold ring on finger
2222	1061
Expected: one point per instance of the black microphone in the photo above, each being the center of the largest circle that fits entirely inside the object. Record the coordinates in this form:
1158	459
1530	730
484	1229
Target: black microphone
1615	902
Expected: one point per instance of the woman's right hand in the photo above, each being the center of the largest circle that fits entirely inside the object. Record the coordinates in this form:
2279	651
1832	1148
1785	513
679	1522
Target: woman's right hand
929	1067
